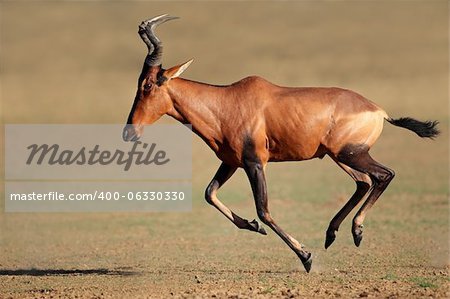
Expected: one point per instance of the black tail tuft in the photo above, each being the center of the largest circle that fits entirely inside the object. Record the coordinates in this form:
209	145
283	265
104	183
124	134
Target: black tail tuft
425	129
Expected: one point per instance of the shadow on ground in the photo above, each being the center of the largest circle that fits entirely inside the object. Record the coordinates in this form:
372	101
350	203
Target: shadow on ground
55	272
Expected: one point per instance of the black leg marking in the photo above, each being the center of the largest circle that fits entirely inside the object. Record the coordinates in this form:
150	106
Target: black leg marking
363	185
358	158
223	174
255	173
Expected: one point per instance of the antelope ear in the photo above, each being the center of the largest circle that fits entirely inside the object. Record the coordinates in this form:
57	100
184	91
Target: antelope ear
176	71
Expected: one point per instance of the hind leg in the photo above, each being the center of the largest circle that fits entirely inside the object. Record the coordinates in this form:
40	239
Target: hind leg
359	159
363	185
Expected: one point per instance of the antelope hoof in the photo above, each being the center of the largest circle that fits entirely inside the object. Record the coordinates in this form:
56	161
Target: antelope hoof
357	234
330	237
307	262
256	227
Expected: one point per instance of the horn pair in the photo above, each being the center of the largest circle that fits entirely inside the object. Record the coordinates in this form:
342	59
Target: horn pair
154	45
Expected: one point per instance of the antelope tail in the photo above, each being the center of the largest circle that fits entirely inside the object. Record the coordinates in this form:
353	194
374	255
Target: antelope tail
424	129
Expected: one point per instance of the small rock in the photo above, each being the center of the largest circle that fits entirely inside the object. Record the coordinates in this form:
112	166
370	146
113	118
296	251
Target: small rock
364	294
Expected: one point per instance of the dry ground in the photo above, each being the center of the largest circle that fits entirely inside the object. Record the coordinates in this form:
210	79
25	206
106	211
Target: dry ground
78	62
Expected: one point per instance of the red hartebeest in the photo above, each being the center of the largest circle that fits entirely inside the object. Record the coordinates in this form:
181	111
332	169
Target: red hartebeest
252	122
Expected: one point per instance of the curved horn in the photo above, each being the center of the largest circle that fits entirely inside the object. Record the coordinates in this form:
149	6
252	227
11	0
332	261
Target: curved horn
146	31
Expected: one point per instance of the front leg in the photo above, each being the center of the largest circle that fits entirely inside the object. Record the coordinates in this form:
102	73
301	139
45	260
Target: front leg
223	174
255	172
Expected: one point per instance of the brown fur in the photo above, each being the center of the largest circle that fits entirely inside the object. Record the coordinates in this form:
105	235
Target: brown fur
286	124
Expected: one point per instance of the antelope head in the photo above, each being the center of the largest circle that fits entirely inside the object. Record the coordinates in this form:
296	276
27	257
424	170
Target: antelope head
152	97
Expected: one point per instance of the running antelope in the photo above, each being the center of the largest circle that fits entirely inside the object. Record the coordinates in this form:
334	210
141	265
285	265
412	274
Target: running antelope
252	122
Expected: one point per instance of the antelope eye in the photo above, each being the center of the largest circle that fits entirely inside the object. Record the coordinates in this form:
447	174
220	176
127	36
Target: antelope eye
147	86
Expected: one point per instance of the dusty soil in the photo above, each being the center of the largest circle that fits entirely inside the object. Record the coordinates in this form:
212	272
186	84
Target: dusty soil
78	63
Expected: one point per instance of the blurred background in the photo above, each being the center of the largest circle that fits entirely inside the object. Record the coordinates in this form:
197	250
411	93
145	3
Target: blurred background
78	62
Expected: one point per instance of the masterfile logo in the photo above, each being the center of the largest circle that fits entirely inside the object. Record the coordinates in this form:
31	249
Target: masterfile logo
84	168
52	155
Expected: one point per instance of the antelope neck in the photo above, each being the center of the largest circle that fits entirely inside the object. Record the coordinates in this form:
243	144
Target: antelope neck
198	104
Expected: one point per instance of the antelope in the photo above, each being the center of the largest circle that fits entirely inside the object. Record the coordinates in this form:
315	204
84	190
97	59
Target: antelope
252	122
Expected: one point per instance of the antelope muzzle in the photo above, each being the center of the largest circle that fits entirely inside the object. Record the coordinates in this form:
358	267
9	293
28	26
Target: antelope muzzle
131	132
